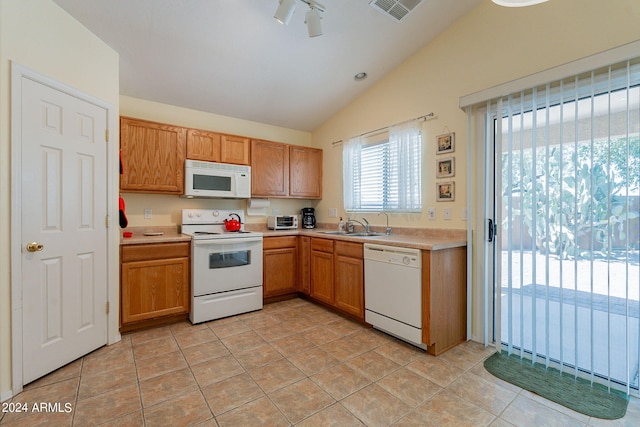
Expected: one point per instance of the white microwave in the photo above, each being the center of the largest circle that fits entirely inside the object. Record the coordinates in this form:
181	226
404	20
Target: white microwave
222	180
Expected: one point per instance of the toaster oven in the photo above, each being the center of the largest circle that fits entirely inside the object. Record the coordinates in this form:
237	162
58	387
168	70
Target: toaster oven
282	222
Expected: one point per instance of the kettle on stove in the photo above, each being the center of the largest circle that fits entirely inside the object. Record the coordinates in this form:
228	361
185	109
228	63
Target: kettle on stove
233	224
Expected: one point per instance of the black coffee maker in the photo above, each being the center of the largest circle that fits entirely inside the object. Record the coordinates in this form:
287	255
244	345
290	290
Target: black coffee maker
308	218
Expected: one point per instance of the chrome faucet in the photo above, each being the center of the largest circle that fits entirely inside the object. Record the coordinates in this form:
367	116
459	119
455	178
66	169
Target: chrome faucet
350	222
388	228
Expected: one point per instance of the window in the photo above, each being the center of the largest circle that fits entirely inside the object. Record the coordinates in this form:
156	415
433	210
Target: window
383	172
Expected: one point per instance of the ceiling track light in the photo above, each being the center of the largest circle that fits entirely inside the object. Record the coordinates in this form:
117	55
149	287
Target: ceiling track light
285	11
286	8
312	19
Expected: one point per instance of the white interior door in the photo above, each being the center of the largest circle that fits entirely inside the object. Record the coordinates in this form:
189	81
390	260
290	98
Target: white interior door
64	206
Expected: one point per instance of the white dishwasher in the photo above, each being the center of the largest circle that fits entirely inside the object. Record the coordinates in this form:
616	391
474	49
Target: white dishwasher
393	291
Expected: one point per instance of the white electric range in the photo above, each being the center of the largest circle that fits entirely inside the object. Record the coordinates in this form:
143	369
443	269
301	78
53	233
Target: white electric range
226	266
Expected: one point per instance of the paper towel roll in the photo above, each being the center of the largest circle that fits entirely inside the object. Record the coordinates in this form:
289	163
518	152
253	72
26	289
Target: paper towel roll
257	207
258	203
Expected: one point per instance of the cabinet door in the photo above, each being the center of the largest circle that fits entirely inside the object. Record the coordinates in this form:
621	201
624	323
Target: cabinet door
153	157
202	145
234	149
304	281
280	269
305	172
269	169
154	288
349	286
322	276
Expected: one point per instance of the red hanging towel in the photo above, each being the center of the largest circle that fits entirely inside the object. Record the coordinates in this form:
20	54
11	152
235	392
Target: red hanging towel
123	216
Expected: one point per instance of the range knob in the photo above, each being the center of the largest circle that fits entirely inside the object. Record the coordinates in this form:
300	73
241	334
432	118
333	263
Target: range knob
215	213
406	260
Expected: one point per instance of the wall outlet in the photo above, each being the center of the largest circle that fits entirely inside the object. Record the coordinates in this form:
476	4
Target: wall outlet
446	213
148	213
431	214
333	212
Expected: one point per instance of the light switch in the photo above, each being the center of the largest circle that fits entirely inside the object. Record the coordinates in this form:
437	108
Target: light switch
431	214
333	212
446	213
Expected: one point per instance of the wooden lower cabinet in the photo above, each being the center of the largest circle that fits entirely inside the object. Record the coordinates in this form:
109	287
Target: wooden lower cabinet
337	275
280	266
349	278
444	299
304	256
154	281
321	264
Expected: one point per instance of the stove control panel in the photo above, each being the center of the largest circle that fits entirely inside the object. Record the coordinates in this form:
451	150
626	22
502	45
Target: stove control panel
209	216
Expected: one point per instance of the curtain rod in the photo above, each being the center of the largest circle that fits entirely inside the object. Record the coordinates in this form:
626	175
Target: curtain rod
430	116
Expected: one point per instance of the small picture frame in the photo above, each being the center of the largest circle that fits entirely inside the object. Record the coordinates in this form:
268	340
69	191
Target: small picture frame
445	191
445	167
446	143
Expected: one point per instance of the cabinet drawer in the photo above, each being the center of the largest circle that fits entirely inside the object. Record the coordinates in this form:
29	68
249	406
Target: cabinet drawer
280	242
322	245
349	249
154	251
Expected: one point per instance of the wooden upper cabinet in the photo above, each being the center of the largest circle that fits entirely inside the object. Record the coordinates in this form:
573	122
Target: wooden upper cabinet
283	170
235	149
305	172
216	147
203	145
153	157
269	169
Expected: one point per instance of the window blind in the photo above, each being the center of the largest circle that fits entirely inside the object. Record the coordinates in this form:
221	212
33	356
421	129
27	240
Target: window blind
567	197
384	172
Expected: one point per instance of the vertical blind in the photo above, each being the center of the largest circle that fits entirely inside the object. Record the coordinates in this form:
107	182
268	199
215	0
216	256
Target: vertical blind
384	171
568	200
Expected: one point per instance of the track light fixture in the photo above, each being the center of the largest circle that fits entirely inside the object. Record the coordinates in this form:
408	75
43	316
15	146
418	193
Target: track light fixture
285	11
312	19
286	8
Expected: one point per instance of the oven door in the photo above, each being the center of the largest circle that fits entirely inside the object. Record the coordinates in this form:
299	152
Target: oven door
219	265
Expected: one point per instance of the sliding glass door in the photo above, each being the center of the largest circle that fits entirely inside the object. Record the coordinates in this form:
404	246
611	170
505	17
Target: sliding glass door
567	174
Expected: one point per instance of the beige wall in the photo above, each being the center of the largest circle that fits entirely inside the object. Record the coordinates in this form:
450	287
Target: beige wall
489	46
166	209
39	35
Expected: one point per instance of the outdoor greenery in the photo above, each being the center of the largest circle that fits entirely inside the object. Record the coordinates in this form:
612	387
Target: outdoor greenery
575	202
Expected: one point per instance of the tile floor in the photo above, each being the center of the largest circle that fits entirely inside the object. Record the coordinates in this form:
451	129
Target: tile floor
293	363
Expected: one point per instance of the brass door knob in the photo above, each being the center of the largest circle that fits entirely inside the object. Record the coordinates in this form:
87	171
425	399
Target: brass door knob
34	247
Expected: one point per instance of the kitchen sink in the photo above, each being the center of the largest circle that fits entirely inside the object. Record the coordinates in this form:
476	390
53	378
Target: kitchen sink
356	234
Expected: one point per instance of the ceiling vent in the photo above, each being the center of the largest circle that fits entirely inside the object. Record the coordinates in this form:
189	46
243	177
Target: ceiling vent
397	9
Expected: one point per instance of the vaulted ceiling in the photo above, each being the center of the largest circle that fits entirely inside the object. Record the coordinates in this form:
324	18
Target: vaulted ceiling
231	57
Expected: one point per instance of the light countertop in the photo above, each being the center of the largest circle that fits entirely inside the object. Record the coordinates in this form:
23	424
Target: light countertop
425	239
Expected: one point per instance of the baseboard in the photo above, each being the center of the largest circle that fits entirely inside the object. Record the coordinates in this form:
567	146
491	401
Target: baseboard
6	395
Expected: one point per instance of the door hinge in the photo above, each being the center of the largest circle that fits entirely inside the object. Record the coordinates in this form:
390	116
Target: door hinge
106	221
107	307
106	135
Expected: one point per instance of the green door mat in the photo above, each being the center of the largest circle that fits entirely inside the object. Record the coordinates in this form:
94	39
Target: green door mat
578	394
